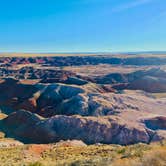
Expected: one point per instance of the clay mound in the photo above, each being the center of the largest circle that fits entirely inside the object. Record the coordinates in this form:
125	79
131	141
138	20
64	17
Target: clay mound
112	78
152	80
119	78
54	76
149	84
88	129
20	125
48	99
30	128
23	117
13	92
87	100
153	72
75	81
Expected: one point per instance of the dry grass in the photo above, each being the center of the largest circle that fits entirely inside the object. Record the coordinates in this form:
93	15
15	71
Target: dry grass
159	95
114	155
155	158
94	155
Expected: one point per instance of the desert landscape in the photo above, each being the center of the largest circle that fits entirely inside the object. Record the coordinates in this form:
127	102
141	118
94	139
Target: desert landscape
83	109
82	83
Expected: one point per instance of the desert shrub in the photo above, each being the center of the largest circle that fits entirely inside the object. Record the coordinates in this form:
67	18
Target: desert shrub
136	150
121	151
93	161
36	164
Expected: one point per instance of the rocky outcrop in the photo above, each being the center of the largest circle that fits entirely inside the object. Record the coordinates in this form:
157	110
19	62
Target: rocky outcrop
29	127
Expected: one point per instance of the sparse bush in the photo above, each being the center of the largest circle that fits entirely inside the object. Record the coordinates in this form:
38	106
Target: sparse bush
36	164
105	155
121	151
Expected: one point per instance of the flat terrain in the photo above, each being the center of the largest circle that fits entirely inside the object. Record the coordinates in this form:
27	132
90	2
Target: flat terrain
44	54
83	54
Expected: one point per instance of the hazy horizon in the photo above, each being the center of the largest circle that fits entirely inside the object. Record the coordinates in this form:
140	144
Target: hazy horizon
90	52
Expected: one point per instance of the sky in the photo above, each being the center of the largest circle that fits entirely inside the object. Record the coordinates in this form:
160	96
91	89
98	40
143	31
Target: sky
82	25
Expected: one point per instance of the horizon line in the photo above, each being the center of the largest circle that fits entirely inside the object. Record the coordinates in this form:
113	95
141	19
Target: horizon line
81	52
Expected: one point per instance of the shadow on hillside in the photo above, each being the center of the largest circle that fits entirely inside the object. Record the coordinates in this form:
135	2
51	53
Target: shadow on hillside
6	110
7	133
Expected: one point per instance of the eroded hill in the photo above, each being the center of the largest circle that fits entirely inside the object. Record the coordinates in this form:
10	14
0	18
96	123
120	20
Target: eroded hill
96	99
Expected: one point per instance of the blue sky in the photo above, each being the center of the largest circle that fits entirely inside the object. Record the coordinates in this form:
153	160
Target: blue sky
82	25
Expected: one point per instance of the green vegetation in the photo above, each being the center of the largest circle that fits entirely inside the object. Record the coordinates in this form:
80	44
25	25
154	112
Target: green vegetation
36	164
